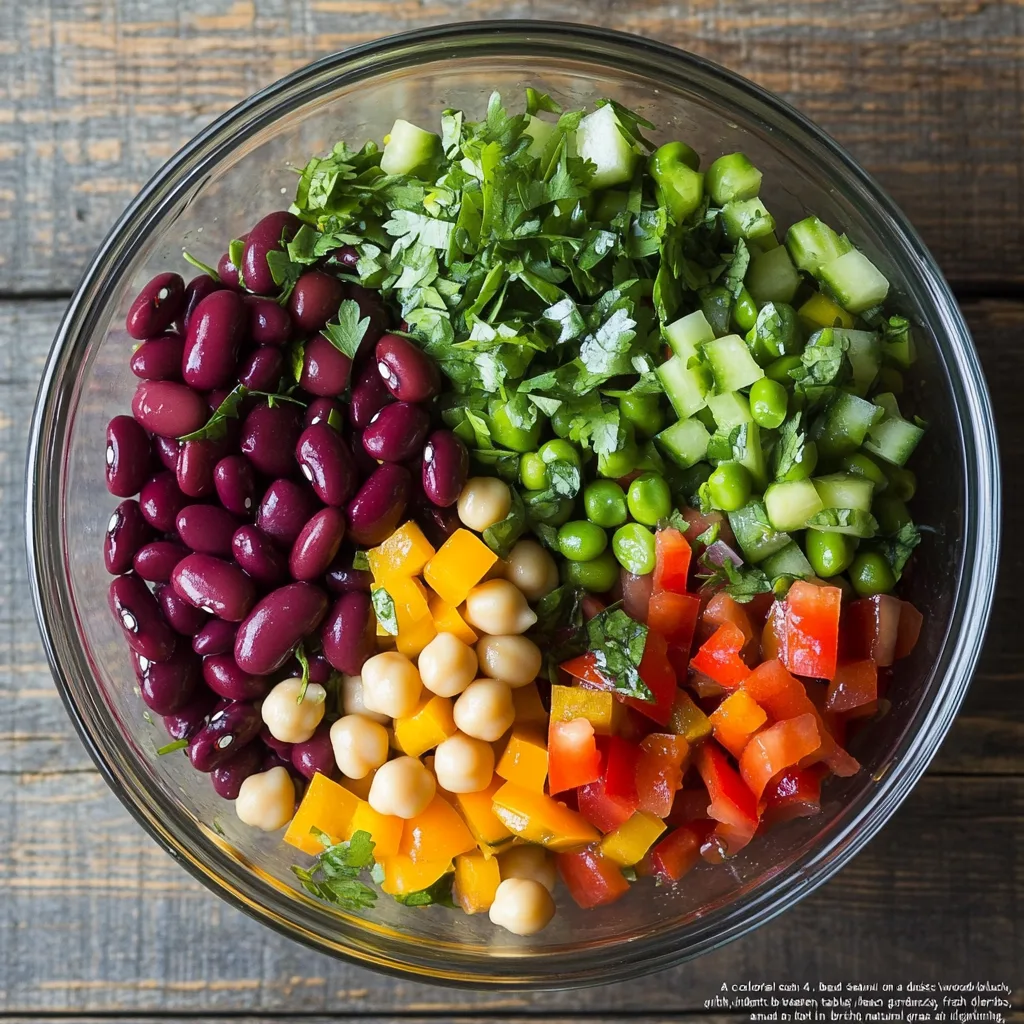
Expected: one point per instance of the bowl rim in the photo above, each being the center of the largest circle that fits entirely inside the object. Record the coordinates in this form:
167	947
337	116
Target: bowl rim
614	960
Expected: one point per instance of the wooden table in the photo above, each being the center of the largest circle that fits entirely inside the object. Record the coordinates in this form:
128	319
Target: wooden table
94	918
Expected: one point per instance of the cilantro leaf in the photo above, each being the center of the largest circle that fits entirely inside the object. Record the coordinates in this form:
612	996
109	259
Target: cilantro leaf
438	893
788	452
334	877
821	361
384	608
741	583
216	427
284	272
200	265
900	546
501	536
852	521
540	101
347	331
737	269
618	642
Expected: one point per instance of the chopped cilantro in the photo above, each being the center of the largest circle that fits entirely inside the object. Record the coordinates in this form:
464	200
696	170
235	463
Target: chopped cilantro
618	643
346	331
384	608
334	877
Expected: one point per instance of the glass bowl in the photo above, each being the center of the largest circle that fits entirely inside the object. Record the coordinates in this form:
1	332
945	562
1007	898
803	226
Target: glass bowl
238	169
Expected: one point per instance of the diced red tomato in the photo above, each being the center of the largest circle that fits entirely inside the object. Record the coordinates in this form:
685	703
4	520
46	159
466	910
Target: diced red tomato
704	686
796	793
620	760
810	630
720	658
591	606
722	609
584	667
855	685
757	609
636	594
592	880
659	771
676	854
700	523
656	671
604	812
674	616
731	800
871	629
672	565
573	757
689	805
911	621
776	748
736	719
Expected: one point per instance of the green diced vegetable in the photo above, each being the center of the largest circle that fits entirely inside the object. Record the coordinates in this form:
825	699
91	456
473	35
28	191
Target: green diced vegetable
540	133
855	281
687	334
600	140
862	350
812	243
687	387
747	218
730	409
685	442
772	276
863	465
757	538
791	503
681	185
893	439
732	177
844	425
731	363
845	490
409	149
788	561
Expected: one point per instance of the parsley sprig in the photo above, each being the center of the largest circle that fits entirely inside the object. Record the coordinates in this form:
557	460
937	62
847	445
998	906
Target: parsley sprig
334	877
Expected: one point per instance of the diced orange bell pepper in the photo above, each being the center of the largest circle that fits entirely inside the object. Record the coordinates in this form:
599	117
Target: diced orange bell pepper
719	658
736	719
630	841
540	819
448	620
476	881
385	829
674	616
458	566
687	720
361	787
776	748
403	875
477	810
438	833
598	707
528	707
525	760
672	562
810	630
431	723
722	609
404	553
326	806
591	878
854	686
659	771
573	757
410	599
414	636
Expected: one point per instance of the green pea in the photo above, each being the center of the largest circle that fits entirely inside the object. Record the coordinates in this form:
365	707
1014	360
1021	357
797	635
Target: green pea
891	512
560	420
617	464
768	403
552	512
649	499
581	540
871	574
828	553
863	465
559	451
605	503
778	369
902	482
729	486
505	433
644	412
744	310
596	575
533	472
806	466
633	546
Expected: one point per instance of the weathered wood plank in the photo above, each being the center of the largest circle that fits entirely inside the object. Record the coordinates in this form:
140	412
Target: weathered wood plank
927	94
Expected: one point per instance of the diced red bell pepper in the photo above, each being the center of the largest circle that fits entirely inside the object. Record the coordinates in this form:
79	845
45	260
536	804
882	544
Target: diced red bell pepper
672	561
720	658
656	671
636	594
736	719
573	757
619	759
731	800
604	812
776	748
689	805
676	854
855	684
722	609
871	629
592	880
659	771
911	621
757	609
674	616
796	793
584	667
725	841
810	630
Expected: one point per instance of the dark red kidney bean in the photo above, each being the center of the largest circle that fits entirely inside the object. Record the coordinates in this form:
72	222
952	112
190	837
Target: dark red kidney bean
235	484
269	435
188	720
372	307
184	619
369	396
324	410
127	531
378	506
219	325
269	322
326	462
320	670
366	464
315	299
216	397
227	680
325	370
261	369
159	358
314	549
156	561
228	273
445	467
259	556
160	501
156	307
316	754
195	291
270	233
216	586
196	461
140	618
284	510
347	256
279	747
229	730
266	639
216	637
407	371
167	408
207	529
227	779
167	686
127	456
342	579
397	432
167	450
437	524
349	635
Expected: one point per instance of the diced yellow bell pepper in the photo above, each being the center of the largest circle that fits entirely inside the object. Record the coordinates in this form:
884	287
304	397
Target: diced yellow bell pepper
599	707
403	875
632	839
688	720
528	707
414	636
404	553
438	833
326	806
525	760
820	311
478	813
410	599
448	620
385	829
431	723
538	818
361	787
458	567
476	881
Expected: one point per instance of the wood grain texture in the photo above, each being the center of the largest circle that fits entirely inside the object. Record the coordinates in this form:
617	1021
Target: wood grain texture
94	96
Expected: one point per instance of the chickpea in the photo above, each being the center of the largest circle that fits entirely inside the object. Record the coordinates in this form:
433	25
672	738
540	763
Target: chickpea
289	719
484	501
391	685
498	607
463	764
352	700
484	710
447	665
360	745
522	906
532	570
403	787
530	861
266	800
512	659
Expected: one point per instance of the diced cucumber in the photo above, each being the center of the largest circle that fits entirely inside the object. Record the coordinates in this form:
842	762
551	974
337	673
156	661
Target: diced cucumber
686	386
754	534
731	363
775	333
599	140
730	409
855	281
752	458
772	276
853	522
747	218
844	490
789	561
763	244
409	149
894	439
886	401
540	133
688	333
843	426
901	349
863	353
732	177
791	503
812	243
685	442
820	311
